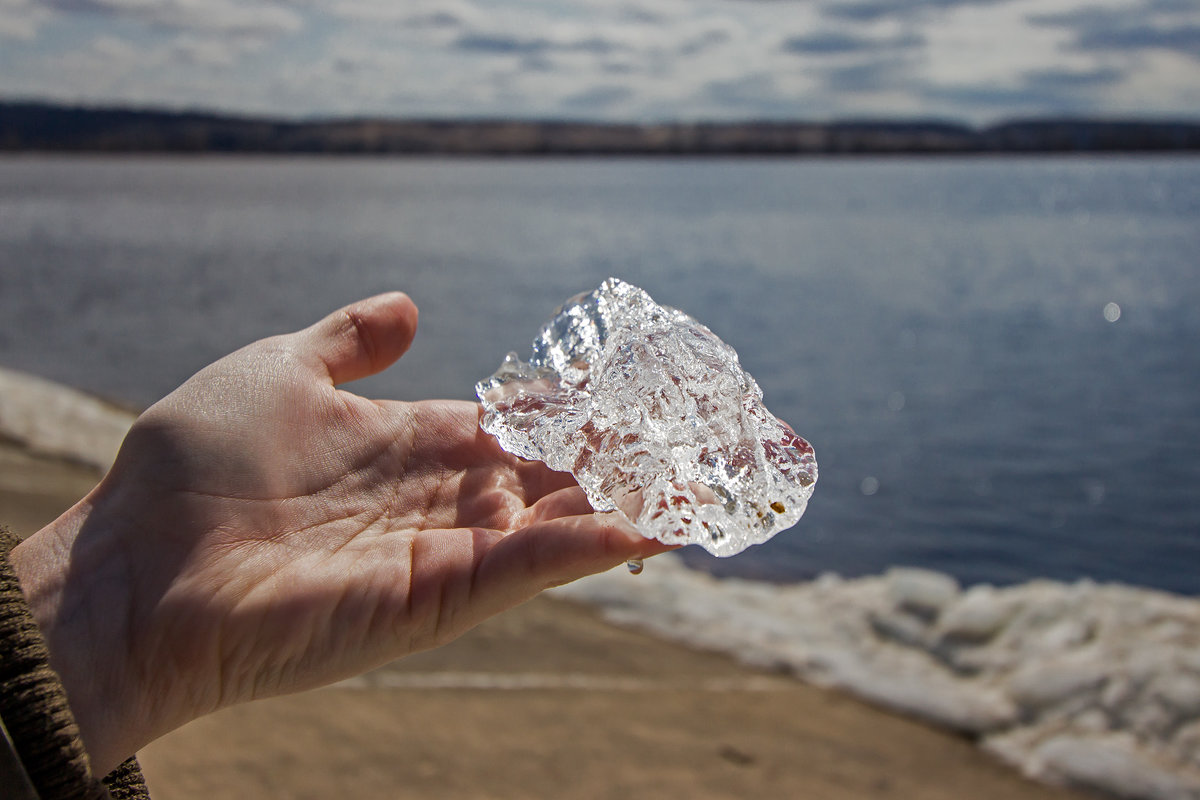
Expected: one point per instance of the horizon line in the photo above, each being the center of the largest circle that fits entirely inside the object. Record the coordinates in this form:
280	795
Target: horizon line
355	117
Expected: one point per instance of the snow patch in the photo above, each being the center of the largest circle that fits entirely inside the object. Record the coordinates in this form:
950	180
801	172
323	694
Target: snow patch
1096	686
54	420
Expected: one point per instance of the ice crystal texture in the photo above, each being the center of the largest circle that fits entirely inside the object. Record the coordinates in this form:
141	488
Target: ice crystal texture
655	418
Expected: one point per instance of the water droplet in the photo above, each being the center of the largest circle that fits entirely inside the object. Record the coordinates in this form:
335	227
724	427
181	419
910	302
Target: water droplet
635	566
895	401
869	485
1112	312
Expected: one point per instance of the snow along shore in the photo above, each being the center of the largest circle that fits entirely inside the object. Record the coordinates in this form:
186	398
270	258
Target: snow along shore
53	420
1084	684
1095	686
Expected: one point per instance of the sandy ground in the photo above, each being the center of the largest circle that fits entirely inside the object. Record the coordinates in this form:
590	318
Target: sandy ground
546	701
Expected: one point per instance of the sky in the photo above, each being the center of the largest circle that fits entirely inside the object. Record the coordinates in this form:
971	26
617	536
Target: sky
646	60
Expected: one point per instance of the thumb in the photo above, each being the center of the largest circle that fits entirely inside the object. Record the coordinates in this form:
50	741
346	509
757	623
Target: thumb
364	337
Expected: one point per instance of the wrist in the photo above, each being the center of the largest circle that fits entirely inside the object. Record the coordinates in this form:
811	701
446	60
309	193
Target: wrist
76	594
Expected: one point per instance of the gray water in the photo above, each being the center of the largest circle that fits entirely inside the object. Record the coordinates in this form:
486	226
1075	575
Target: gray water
936	328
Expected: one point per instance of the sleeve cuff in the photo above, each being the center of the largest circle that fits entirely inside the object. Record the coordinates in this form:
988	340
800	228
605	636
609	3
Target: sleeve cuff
33	707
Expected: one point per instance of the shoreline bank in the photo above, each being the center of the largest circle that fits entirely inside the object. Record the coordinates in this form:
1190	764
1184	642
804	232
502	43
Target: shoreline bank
543	698
1083	684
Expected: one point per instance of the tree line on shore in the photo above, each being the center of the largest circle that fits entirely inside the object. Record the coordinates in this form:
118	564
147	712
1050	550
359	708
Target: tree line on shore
44	127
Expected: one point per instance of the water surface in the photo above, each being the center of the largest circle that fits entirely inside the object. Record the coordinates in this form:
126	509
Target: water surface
936	328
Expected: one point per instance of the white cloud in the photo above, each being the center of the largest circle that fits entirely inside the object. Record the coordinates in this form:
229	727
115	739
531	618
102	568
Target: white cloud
606	58
1138	95
990	44
21	19
223	16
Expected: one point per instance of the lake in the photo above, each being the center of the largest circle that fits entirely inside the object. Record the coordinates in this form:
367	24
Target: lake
997	360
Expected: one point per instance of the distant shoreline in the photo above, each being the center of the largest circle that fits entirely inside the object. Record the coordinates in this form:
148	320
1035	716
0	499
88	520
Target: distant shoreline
37	127
199	156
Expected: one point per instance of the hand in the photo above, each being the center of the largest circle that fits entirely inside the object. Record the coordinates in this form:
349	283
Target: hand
263	532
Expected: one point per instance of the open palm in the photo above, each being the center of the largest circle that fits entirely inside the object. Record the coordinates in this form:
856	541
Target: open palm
263	532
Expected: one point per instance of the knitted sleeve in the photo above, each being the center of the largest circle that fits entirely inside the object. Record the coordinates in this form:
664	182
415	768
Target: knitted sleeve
34	710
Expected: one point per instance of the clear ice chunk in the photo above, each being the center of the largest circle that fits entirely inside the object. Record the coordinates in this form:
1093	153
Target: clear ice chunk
656	419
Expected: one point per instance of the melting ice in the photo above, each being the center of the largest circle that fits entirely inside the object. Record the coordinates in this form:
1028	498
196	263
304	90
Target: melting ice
656	419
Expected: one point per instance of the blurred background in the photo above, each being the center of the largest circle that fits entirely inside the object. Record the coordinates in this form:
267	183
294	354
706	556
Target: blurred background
955	241
992	351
